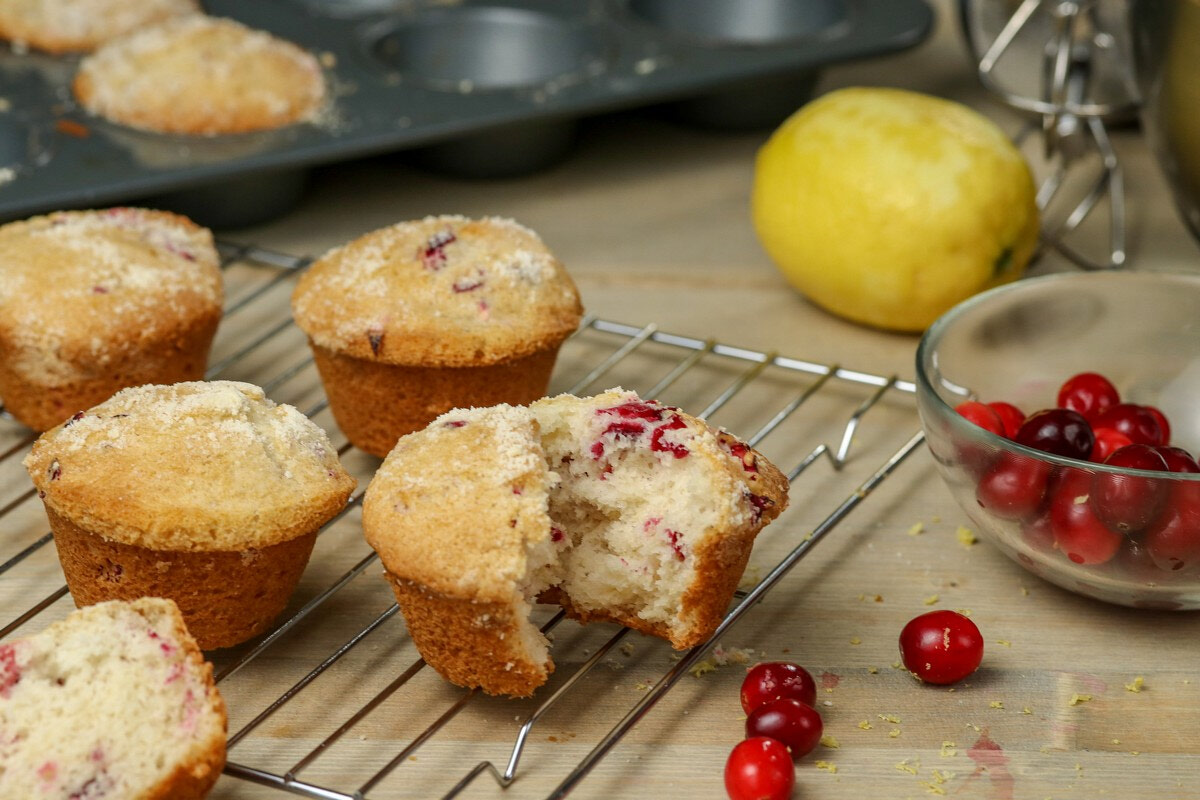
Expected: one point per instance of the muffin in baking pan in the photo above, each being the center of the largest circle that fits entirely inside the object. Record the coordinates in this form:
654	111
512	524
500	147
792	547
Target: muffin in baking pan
114	701
65	26
94	301
619	509
205	493
203	76
412	320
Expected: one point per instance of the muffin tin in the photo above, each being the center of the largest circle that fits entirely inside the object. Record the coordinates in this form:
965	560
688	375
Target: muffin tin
482	88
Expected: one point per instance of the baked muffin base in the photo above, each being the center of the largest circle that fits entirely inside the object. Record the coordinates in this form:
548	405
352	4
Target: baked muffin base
375	404
225	597
470	644
176	357
719	570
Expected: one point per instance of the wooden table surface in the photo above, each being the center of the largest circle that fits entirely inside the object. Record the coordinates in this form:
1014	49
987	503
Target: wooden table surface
652	220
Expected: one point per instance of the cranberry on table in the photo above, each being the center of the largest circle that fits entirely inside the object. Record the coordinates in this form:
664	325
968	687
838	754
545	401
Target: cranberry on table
1014	487
772	680
1139	424
796	724
982	415
1128	503
941	647
1058	431
1078	532
759	769
1178	459
1089	394
1010	416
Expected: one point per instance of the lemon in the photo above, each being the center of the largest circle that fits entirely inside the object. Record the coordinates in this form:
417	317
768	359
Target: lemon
888	207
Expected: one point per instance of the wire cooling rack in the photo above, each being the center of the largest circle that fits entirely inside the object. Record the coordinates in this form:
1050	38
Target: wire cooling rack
346	738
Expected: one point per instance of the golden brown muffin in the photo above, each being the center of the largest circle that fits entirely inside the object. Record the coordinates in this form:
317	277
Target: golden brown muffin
619	509
62	26
114	701
94	301
412	320
206	493
201	75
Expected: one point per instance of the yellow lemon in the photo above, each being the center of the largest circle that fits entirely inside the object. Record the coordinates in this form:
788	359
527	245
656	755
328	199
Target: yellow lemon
888	207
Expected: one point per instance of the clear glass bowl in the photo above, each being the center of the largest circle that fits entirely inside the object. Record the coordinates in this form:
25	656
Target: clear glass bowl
1018	343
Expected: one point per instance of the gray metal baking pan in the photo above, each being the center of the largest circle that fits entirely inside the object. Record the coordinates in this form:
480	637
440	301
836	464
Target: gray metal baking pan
477	87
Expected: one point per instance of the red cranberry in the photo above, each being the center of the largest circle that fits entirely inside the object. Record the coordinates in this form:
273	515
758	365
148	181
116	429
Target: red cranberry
1178	459
10	672
659	446
629	430
673	538
1128	503
787	720
759	769
941	647
1163	424
1089	394
1014	487
634	409
1011	417
1134	421
1173	541
1058	431
433	255
466	285
982	415
772	680
744	454
758	504
1078	532
1038	533
1134	561
1108	441
375	339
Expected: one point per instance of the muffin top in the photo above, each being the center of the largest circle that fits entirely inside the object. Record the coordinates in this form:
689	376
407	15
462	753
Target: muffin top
201	75
61	26
77	287
442	291
191	467
490	527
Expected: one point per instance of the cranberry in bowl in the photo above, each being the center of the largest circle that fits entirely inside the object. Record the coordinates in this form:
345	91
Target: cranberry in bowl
1097	489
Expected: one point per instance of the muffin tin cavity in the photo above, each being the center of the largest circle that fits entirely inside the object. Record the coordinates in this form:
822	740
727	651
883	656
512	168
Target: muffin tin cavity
490	47
744	22
477	88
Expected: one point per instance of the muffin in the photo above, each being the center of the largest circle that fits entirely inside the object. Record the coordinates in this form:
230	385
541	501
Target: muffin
94	301
410	321
203	76
64	26
618	509
205	493
114	701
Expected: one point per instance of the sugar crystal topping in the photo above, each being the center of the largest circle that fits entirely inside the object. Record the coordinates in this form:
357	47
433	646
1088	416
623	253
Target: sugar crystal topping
445	271
214	64
77	281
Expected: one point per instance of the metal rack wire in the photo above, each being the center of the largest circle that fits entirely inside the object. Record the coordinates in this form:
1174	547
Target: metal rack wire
609	347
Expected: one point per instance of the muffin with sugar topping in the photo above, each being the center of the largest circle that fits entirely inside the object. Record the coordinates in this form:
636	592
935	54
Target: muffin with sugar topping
203	76
412	320
94	301
205	493
617	508
64	26
115	701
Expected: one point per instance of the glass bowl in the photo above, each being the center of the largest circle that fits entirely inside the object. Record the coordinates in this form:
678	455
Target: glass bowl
1124	536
